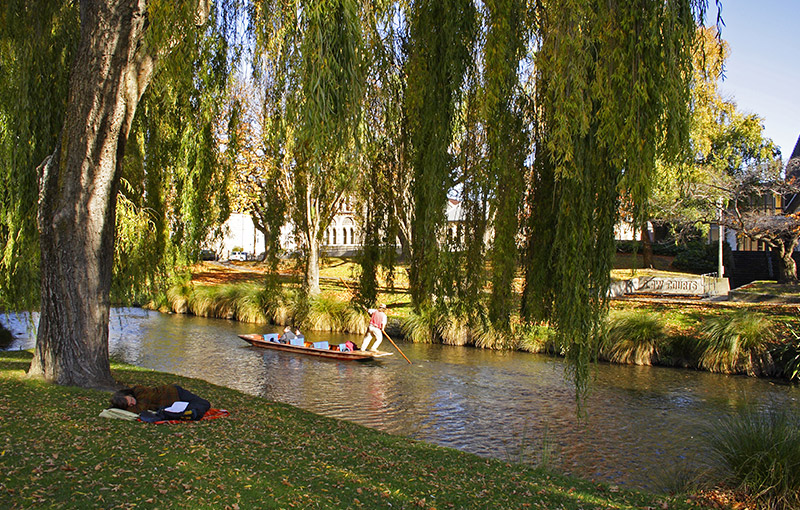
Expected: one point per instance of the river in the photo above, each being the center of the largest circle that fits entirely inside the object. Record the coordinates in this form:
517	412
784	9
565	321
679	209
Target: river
643	428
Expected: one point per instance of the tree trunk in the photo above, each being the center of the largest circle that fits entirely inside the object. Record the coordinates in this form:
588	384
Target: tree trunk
312	228
77	194
312	268
647	246
788	267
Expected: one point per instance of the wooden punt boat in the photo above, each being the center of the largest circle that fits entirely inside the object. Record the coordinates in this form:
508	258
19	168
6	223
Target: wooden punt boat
258	341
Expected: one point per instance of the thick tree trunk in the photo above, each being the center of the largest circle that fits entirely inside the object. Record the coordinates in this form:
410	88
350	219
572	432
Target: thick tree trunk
77	194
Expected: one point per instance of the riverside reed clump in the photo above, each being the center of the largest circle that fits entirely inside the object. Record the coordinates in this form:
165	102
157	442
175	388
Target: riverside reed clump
759	452
57	453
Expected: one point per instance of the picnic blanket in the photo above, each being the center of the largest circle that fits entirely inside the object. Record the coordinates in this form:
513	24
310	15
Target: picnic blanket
211	414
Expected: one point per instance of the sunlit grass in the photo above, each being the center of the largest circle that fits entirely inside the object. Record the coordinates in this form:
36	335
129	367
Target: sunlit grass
538	338
57	453
420	327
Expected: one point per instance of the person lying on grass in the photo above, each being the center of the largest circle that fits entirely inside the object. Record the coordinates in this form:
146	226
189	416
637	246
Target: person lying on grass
143	398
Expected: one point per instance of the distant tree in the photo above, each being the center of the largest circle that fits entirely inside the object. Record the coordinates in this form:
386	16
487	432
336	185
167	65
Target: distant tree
752	209
731	173
262	181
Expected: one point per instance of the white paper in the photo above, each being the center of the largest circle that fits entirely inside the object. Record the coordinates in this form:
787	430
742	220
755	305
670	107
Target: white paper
177	407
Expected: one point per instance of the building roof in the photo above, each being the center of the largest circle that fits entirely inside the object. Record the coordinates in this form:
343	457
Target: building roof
792	202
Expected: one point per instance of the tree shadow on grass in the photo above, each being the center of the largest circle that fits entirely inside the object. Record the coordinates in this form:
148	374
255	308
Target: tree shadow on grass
15	360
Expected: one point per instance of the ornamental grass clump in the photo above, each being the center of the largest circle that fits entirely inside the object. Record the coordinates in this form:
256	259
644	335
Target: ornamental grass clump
179	297
633	338
760	452
486	336
420	327
325	312
736	343
253	303
453	329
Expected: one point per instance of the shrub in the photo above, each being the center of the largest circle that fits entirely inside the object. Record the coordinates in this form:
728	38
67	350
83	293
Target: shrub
761	452
633	338
736	342
701	257
539	338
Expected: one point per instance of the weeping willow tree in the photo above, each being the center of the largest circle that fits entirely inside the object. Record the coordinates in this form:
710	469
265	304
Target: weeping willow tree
82	81
317	80
441	36
507	145
384	185
612	89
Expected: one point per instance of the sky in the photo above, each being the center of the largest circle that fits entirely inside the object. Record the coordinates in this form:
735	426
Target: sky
763	71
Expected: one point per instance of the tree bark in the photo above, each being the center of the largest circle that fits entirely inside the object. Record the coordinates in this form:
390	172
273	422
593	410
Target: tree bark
647	246
788	267
312	229
77	194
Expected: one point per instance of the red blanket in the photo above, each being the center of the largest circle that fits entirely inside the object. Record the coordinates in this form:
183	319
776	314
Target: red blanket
211	414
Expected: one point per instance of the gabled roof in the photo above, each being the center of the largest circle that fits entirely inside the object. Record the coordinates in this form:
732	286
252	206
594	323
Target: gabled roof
792	202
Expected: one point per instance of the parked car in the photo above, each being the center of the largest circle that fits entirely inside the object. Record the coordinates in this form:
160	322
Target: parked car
239	255
208	255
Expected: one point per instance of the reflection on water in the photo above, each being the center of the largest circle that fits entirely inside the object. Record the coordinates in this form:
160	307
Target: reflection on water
644	425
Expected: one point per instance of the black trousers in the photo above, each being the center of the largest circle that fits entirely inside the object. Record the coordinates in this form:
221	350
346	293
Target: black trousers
198	405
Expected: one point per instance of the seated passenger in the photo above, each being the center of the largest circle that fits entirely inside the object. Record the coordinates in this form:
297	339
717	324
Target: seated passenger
287	335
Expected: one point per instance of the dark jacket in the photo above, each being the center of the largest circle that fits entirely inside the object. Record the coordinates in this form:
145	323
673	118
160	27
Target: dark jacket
154	397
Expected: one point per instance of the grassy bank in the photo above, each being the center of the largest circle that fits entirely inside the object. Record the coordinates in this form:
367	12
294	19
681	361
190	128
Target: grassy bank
57	453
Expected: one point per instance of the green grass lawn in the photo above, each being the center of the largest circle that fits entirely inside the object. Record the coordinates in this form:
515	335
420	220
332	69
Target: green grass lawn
57	453
771	288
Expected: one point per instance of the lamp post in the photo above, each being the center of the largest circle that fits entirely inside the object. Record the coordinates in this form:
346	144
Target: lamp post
720	232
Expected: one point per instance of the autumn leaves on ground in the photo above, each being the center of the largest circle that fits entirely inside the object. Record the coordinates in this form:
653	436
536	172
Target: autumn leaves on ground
56	452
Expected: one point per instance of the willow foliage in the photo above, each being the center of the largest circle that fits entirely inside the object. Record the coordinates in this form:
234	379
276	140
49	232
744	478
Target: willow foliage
384	182
175	178
507	142
613	94
36	48
442	33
